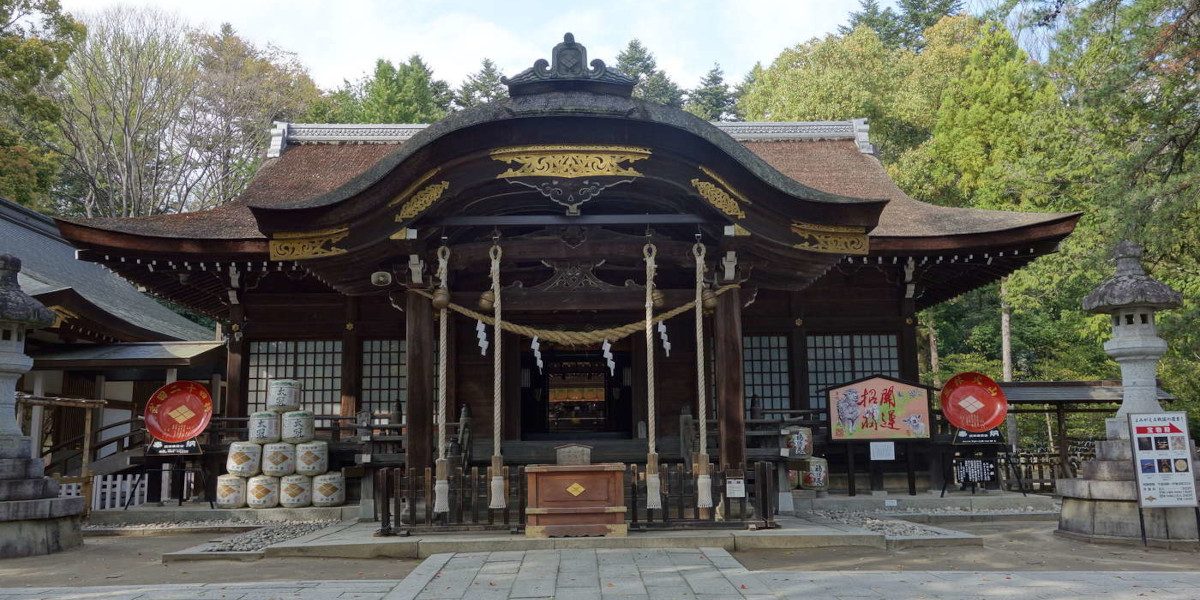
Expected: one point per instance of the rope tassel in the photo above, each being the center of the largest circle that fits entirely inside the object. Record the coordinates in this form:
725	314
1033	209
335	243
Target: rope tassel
499	498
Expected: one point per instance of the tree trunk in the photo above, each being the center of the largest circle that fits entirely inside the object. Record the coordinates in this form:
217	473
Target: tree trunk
934	361
1006	355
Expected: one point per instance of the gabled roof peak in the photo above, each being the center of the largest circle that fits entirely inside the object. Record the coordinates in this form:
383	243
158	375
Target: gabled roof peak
568	70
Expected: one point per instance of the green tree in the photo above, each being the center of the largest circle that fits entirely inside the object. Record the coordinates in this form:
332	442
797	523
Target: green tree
652	83
36	38
741	89
884	22
904	27
712	100
480	87
405	92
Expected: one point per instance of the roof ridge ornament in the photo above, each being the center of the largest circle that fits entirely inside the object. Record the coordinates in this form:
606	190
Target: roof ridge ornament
567	71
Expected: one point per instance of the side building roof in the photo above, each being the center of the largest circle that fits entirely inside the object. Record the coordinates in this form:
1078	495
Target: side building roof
85	295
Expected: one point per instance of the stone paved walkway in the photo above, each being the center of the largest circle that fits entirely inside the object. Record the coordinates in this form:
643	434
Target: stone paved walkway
656	574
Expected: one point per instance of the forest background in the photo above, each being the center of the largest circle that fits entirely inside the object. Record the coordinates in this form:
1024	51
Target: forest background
1032	105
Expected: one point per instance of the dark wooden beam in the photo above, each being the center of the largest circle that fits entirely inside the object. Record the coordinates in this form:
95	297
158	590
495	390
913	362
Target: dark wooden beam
561	220
237	368
418	320
351	360
731	402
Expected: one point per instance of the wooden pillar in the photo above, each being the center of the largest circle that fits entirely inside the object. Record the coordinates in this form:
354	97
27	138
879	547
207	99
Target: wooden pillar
351	361
731	389
418	325
910	366
237	368
36	416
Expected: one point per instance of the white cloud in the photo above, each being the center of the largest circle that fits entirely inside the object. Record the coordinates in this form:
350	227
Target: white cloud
342	39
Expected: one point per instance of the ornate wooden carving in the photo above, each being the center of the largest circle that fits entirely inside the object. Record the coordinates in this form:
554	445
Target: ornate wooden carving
830	239
307	244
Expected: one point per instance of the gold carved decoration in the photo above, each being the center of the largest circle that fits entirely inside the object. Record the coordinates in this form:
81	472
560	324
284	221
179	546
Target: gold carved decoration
830	239
402	196
569	161
307	244
61	314
422	200
719	198
721	195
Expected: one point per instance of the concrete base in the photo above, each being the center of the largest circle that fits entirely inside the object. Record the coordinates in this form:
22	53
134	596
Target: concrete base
956	500
1102	506
145	514
40	536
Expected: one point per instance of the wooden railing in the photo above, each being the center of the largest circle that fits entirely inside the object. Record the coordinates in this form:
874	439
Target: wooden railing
404	500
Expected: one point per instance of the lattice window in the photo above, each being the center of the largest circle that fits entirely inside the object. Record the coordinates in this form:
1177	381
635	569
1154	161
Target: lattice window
384	376
316	363
765	361
838	358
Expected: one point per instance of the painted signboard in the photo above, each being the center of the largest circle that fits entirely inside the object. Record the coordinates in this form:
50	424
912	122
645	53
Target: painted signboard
178	411
878	408
1162	460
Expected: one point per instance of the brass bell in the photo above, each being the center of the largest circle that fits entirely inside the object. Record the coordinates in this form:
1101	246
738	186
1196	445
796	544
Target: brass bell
487	300
709	299
658	299
441	298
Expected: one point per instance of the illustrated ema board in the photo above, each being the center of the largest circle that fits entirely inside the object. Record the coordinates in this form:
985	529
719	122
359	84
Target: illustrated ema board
1162	459
878	408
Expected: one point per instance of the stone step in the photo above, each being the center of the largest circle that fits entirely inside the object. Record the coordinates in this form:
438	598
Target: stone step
28	489
42	508
20	468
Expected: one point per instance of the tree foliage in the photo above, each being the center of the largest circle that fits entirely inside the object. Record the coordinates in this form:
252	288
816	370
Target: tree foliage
404	92
481	87
712	100
652	83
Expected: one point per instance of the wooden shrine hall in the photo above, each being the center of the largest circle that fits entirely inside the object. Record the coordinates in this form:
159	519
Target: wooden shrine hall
814	268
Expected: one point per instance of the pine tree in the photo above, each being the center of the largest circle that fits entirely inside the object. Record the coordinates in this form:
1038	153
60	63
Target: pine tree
902	28
483	86
886	23
712	100
652	83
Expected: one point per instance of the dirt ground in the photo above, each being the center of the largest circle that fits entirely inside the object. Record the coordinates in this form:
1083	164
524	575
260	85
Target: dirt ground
136	561
1007	546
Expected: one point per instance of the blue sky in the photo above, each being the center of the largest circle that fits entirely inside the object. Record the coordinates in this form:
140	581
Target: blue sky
339	39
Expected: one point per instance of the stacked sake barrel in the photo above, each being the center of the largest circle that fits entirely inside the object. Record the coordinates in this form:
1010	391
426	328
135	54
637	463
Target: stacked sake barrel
280	464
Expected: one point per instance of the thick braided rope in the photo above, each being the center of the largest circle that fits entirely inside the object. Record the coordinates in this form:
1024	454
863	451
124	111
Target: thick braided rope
573	338
497	345
443	328
701	387
651	411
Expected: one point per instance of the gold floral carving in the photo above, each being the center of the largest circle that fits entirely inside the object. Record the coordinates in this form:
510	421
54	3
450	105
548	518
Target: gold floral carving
830	239
569	161
718	198
402	196
307	244
717	178
422	200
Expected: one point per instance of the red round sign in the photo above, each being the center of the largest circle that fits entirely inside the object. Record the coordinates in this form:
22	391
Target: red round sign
178	411
972	401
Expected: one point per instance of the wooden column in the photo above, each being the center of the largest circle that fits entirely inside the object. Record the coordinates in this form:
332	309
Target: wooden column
351	361
237	368
910	366
418	313
731	389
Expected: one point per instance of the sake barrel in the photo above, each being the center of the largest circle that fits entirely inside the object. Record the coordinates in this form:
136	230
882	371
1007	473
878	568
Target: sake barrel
244	460
295	491
312	458
329	489
815	475
284	394
231	491
279	459
262	492
297	427
264	427
799	441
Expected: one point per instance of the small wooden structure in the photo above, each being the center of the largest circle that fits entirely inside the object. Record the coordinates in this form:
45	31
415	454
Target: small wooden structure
575	500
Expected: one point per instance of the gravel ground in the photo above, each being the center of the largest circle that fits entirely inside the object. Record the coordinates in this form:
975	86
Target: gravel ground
181	524
267	535
888	527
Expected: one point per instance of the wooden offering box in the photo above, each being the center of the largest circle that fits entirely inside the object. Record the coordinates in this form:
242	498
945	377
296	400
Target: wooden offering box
575	500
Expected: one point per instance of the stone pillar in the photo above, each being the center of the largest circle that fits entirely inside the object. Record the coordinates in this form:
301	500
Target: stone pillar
1103	503
33	519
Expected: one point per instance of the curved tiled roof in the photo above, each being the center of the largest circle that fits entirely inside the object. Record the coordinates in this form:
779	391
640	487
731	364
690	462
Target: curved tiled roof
314	160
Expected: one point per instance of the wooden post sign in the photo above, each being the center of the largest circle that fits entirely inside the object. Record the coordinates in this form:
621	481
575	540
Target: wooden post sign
175	415
1162	460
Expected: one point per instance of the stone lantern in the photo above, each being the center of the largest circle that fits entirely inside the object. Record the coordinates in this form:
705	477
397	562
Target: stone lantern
1102	504
1131	297
33	519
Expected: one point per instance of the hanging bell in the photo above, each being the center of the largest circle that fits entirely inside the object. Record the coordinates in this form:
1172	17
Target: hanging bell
709	299
487	300
441	298
658	298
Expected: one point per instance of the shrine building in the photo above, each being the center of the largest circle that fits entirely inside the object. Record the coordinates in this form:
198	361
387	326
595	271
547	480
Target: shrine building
327	269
